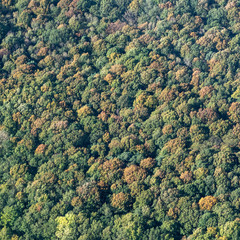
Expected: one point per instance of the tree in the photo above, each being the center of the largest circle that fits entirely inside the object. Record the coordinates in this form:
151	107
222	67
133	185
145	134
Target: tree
120	201
134	173
66	226
230	230
207	203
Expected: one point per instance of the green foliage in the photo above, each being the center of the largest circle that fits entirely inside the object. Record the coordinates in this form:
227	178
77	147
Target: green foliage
119	119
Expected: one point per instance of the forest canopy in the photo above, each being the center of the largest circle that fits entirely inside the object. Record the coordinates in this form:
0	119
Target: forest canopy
119	119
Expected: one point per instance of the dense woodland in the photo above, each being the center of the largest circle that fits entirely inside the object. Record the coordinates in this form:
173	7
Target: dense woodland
119	119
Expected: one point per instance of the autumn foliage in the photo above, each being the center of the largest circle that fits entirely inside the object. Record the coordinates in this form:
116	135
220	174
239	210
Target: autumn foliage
119	119
207	203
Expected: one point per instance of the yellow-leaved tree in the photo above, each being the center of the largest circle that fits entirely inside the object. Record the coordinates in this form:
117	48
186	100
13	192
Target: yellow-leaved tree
66	227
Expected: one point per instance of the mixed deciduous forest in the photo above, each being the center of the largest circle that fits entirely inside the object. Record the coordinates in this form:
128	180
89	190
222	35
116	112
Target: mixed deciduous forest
119	119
